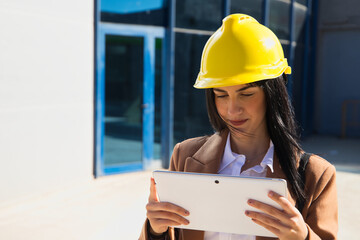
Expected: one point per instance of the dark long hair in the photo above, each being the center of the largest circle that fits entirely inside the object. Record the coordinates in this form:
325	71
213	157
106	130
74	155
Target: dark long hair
281	125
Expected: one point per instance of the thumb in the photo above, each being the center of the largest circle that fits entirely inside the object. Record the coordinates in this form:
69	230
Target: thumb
153	193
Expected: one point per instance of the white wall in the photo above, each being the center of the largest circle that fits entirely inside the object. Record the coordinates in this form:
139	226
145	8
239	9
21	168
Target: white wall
46	95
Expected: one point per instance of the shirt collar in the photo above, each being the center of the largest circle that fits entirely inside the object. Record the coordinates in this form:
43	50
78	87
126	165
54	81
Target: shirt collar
229	156
269	158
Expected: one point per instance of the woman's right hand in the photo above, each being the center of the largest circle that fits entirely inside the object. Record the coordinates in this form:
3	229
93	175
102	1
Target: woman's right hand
161	215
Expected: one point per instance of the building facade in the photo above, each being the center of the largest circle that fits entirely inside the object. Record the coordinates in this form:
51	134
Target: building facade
146	106
93	88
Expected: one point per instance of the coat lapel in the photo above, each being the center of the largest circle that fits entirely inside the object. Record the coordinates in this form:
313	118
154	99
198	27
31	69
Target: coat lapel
208	158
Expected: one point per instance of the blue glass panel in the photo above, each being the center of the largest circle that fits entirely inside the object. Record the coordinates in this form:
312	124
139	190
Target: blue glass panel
297	79
130	6
158	80
123	99
300	17
280	18
199	14
190	116
123	168
250	7
303	2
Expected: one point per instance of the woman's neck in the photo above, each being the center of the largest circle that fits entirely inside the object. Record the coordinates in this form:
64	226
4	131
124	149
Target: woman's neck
253	147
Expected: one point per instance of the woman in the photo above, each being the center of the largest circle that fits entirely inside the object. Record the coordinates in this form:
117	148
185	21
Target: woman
243	70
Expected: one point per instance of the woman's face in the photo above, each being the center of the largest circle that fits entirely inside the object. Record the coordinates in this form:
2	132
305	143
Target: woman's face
242	107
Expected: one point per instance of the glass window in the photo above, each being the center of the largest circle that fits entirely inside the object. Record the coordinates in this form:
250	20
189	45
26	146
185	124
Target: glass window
123	99
297	78
285	45
300	15
302	2
158	79
279	18
130	6
190	114
250	7
142	12
199	14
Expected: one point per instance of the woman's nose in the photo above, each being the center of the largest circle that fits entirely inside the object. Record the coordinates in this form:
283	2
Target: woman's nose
234	107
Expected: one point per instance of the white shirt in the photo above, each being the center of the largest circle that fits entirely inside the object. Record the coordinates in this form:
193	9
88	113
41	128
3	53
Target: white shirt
231	164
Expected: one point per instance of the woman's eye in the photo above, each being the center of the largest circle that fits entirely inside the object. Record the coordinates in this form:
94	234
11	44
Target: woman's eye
221	96
247	94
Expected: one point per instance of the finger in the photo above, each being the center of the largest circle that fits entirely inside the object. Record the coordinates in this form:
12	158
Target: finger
266	219
153	193
268	209
283	202
270	228
167	207
167	216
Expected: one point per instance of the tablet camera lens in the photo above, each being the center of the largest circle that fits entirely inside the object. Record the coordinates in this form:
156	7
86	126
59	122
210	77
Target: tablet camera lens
217	181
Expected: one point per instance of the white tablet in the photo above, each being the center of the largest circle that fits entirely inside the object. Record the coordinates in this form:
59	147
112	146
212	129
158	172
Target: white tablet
217	202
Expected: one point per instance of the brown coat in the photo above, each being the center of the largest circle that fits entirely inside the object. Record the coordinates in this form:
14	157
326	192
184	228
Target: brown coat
204	154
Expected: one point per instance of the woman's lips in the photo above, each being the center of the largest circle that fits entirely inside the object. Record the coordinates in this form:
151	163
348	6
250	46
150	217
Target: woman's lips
237	123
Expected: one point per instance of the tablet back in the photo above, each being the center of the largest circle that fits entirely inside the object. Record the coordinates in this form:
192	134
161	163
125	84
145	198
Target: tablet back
217	202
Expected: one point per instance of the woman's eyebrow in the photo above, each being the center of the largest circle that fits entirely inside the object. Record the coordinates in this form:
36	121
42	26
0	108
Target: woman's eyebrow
244	88
218	90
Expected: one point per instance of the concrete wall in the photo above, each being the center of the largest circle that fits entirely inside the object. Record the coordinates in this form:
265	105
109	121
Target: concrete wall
338	62
46	96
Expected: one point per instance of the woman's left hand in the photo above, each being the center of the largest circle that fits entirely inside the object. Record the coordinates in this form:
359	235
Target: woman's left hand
286	224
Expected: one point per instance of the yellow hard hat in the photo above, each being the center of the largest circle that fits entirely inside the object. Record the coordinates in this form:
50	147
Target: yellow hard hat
241	51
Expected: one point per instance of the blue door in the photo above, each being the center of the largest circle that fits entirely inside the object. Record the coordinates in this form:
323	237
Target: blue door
128	70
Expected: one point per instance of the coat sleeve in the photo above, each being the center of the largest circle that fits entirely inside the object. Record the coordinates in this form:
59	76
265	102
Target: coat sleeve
145	236
322	214
171	233
174	161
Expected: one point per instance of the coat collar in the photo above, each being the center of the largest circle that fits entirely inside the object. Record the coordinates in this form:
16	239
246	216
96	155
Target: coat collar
208	158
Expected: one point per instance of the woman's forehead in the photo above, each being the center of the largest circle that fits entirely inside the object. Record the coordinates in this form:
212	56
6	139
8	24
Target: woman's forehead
240	87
